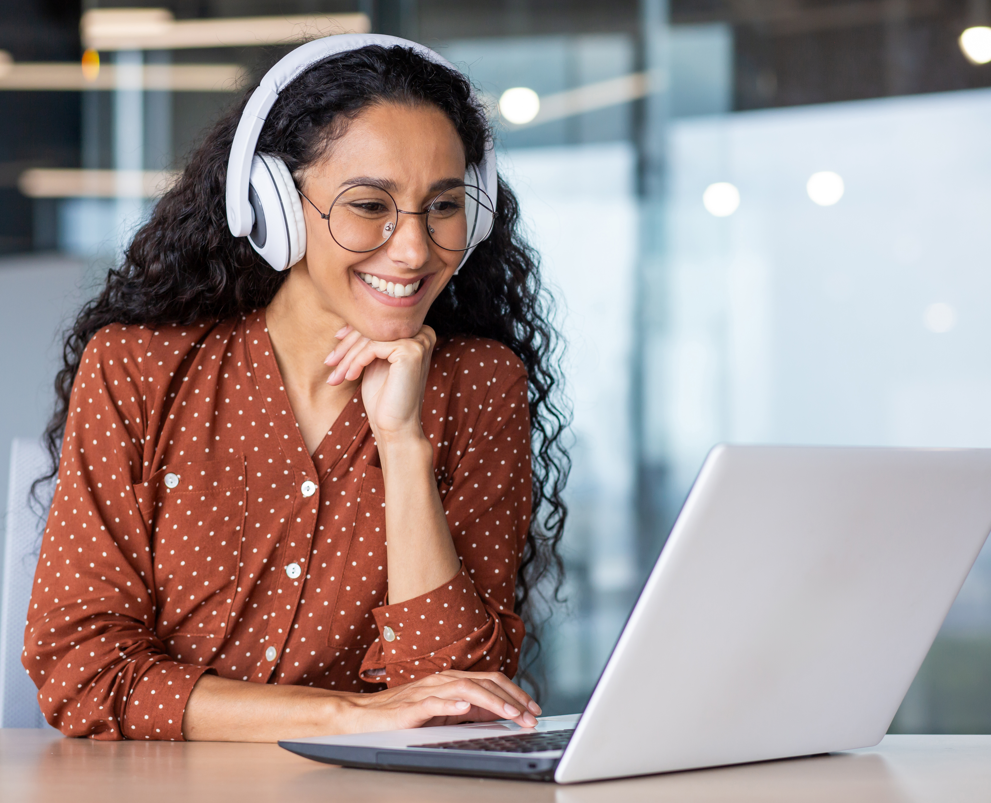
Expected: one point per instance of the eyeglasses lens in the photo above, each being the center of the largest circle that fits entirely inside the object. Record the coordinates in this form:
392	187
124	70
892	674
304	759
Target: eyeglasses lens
362	218
453	218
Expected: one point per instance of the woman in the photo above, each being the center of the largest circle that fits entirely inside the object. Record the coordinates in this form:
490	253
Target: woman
237	442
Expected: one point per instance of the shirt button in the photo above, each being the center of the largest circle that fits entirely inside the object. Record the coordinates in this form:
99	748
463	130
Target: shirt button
308	488
388	633
270	654
171	481
293	571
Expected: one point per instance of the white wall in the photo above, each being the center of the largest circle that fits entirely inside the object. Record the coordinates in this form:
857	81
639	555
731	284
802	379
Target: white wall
38	294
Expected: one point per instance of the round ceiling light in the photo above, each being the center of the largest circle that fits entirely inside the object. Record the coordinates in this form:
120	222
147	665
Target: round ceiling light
721	199
519	105
825	188
976	44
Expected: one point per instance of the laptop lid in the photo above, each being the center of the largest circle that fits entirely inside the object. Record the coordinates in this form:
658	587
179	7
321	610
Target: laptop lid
790	609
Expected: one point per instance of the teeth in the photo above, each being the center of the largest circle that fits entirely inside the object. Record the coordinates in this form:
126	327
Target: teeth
389	288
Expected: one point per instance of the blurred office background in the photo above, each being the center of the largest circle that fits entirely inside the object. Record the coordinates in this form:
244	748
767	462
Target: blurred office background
762	220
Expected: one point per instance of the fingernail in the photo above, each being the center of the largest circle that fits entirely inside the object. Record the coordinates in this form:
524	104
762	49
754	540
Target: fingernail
462	704
330	356
511	711
530	720
340	332
534	707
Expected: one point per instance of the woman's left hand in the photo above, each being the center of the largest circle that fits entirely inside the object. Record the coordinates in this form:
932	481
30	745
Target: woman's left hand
395	377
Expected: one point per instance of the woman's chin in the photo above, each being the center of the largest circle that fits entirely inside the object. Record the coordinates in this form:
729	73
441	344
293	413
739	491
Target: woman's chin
387	331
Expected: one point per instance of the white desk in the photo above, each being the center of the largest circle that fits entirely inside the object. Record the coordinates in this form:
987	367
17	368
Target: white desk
40	766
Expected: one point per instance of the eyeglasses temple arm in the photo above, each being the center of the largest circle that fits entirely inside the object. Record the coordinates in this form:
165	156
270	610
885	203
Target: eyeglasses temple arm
325	217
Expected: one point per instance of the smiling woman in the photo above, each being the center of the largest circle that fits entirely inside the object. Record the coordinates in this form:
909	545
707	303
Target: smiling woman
305	501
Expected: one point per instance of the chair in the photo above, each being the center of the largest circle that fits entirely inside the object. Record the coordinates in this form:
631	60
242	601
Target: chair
18	695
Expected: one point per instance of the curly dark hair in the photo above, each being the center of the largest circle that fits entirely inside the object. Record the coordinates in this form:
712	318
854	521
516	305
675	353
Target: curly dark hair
184	266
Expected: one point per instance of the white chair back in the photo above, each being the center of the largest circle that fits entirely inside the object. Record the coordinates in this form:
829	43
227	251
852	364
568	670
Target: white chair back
18	695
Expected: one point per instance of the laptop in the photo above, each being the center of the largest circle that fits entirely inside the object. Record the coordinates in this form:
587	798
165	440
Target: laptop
790	609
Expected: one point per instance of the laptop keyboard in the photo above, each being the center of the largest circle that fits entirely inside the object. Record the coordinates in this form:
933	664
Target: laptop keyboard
530	742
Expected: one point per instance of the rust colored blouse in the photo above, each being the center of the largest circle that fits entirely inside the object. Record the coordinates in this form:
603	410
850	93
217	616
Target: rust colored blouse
191	531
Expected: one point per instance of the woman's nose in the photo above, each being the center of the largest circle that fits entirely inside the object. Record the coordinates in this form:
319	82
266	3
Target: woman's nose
409	244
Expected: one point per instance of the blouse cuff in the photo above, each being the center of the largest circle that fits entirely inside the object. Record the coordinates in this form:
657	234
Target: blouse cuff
419	626
157	702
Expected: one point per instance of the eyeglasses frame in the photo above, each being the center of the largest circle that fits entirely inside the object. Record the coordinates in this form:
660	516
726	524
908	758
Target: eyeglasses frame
425	212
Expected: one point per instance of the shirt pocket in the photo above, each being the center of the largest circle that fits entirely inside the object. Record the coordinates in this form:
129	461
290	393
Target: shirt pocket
195	513
363	574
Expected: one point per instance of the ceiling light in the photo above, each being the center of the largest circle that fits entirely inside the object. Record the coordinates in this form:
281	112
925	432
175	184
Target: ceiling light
939	318
102	25
73	183
71	76
598	95
519	105
157	29
976	44
721	199
825	188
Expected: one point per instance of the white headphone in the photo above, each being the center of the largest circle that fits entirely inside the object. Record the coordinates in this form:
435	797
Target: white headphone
262	200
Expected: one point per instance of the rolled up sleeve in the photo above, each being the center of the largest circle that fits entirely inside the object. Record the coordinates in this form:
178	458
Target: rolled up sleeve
469	623
90	644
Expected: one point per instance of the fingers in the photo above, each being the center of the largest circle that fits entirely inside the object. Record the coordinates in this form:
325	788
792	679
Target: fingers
515	695
427	336
490	697
362	352
446	698
346	338
519	697
355	352
346	363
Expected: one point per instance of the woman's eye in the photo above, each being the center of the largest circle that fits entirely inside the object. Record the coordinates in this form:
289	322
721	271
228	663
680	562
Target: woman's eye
369	207
445	207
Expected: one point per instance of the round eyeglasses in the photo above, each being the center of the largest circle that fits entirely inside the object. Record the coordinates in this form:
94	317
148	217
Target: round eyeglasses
364	217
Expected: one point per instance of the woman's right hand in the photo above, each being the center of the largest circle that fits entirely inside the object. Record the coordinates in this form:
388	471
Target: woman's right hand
446	698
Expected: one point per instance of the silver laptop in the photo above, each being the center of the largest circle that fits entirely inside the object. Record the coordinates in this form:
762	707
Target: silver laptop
787	615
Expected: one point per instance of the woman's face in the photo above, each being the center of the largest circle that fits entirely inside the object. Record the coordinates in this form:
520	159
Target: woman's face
414	153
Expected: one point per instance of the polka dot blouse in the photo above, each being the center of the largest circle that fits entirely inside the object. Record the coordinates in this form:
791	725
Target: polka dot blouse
192	531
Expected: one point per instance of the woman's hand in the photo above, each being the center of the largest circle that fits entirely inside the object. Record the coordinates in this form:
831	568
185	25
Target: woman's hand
421	555
395	377
224	710
447	698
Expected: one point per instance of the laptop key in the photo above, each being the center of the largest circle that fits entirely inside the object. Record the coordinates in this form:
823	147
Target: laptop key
531	742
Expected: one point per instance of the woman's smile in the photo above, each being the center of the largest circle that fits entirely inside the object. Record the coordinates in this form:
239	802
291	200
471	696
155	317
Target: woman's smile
395	291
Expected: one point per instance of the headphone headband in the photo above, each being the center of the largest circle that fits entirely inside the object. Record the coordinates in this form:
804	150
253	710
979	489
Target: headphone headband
240	216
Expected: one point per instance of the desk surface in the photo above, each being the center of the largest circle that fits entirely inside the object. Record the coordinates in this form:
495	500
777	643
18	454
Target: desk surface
40	766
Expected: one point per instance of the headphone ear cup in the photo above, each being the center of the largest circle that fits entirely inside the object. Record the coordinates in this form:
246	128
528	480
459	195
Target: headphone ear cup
291	206
478	213
471	207
481	215
279	230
